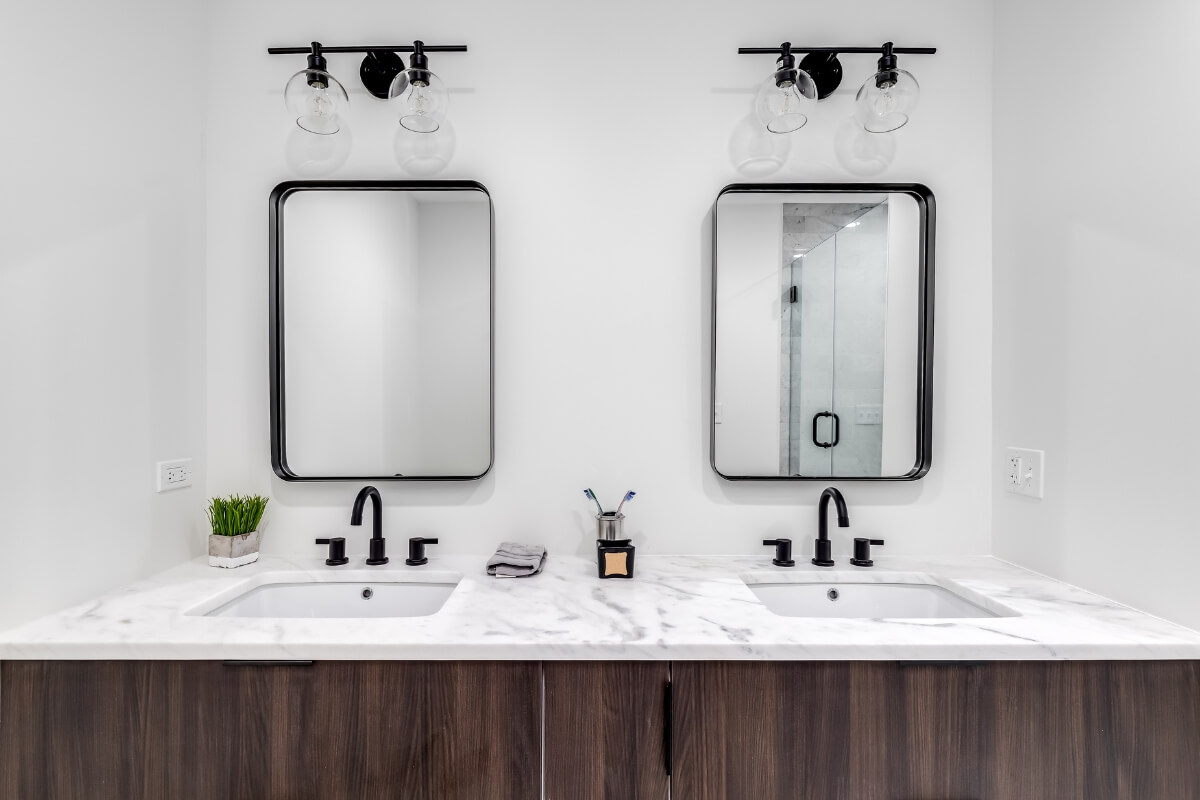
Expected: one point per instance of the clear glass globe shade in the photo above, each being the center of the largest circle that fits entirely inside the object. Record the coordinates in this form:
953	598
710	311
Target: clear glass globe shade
886	100
423	100
783	108
316	99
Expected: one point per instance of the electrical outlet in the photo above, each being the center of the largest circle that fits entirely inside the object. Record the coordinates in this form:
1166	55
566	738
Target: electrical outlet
1024	472
174	474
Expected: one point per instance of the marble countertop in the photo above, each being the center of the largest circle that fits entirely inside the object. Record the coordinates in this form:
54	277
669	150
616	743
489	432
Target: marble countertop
678	607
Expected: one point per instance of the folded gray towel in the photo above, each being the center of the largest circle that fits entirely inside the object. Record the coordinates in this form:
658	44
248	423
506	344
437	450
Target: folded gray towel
512	560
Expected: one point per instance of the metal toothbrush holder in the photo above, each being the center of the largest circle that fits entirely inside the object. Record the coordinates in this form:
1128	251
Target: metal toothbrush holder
614	553
610	526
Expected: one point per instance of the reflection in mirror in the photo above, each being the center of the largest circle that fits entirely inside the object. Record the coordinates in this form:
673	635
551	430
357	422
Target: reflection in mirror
822	339
382	368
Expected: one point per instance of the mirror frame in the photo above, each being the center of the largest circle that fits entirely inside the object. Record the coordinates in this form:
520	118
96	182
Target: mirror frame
924	429
279	196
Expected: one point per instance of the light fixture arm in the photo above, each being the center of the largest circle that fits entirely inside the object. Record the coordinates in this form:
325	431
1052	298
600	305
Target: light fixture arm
370	48
821	63
912	51
381	64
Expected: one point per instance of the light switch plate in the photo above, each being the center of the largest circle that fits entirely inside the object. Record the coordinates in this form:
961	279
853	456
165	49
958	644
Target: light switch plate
1024	471
173	474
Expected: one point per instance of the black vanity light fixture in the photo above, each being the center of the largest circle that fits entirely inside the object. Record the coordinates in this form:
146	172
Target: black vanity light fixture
317	98
314	97
884	102
785	95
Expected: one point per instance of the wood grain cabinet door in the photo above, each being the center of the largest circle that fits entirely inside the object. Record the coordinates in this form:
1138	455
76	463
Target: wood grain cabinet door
1092	730
825	731
606	730
210	731
940	731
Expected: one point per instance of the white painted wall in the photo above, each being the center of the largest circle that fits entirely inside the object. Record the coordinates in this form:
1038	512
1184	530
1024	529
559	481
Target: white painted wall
603	179
348	257
1096	280
900	335
451	346
749	246
102	291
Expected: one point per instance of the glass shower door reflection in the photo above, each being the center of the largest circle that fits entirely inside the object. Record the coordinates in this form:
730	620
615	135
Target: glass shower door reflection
811	356
834	331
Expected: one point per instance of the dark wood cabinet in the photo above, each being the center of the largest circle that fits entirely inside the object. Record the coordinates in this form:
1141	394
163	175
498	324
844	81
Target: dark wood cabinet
1093	730
600	730
944	731
606	730
128	730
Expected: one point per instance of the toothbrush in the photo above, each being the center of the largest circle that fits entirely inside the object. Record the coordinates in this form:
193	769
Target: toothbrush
590	495
628	496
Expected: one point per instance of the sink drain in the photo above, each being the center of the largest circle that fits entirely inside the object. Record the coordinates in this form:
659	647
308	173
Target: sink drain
833	594
368	593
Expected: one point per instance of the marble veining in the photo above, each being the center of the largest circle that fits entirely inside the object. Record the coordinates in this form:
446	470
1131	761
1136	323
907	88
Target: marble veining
678	607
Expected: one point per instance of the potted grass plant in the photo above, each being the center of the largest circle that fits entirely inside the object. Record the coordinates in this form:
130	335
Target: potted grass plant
235	535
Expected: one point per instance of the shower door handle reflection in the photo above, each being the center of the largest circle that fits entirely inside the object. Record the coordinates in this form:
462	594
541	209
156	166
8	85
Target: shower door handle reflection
836	429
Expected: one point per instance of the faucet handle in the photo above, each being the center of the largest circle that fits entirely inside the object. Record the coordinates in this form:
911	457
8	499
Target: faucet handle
862	551
416	551
783	552
337	551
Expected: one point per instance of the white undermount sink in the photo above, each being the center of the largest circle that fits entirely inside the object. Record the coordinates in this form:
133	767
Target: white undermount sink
345	599
888	596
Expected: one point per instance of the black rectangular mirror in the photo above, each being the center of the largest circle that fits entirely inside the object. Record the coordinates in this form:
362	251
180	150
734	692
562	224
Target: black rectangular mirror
381	330
822	332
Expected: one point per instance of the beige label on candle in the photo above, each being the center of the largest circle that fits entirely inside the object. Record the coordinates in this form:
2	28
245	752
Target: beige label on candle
614	563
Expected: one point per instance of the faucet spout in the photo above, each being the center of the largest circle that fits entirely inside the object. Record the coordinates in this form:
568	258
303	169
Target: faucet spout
822	547
376	556
839	503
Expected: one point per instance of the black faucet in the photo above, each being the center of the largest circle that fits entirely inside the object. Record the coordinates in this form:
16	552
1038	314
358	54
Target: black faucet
823	557
376	556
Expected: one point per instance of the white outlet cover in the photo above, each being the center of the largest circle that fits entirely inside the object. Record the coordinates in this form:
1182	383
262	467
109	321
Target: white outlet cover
175	474
1025	472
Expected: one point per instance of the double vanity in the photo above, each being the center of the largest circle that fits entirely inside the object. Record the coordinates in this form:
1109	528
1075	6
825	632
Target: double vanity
741	677
705	677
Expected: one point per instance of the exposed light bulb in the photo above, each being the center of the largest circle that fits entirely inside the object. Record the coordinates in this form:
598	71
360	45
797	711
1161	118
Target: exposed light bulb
423	100
320	104
780	104
888	97
884	102
419	100
787	105
316	100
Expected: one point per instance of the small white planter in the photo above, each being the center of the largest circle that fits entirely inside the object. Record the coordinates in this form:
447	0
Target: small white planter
233	551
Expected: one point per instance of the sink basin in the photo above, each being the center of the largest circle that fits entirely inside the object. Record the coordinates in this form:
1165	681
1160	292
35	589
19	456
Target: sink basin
908	597
334	599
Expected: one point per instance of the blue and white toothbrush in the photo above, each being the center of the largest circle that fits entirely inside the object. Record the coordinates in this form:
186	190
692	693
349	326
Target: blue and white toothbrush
628	496
590	495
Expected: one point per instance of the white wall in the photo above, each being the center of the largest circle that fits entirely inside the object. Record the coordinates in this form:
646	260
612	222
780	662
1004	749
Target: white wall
347	253
101	297
603	179
749	247
900	335
1096	283
451	347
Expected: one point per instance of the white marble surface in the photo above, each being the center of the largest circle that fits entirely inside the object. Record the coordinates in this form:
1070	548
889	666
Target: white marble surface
678	607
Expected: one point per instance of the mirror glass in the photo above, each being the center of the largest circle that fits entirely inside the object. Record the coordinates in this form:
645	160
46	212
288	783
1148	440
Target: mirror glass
382	329
822	340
